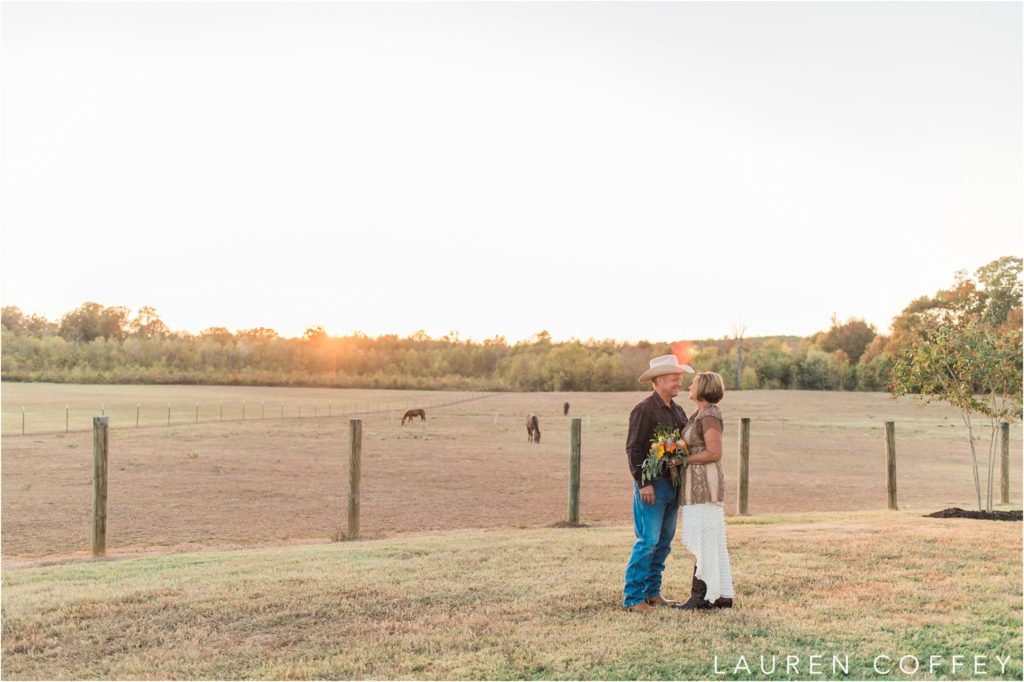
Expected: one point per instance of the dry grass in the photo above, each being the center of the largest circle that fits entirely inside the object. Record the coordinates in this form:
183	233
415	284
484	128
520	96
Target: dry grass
541	603
243	484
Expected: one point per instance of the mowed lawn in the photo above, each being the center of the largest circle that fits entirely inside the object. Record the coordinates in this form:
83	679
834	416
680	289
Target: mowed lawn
271	481
533	603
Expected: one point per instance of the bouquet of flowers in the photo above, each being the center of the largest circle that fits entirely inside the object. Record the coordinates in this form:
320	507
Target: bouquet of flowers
668	442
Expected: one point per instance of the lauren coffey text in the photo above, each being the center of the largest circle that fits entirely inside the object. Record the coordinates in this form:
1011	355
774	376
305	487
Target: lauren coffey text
833	665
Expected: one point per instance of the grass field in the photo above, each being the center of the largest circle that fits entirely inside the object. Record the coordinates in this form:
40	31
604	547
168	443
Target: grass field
237	484
527	604
222	567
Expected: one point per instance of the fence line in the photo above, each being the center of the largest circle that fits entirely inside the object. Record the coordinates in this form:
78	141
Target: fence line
100	426
372	407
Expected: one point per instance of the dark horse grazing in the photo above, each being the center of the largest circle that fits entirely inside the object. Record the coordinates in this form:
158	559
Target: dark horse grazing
412	414
532	429
565	410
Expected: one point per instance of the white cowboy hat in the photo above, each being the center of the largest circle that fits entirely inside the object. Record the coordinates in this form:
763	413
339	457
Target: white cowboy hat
665	364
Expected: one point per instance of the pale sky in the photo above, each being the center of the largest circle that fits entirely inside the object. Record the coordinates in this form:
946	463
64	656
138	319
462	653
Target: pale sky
607	170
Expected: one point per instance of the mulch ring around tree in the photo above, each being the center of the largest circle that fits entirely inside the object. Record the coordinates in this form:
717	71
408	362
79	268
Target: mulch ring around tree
958	513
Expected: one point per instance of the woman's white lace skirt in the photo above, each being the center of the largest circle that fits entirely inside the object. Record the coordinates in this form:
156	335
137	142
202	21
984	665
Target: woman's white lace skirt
704	535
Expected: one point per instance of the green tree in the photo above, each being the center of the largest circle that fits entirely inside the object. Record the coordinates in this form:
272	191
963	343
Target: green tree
774	365
1001	284
974	368
568	367
963	346
816	370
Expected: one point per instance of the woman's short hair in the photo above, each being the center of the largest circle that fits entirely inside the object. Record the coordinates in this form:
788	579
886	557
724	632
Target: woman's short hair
710	387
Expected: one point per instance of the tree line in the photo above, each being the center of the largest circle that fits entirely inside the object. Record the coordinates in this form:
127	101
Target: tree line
108	344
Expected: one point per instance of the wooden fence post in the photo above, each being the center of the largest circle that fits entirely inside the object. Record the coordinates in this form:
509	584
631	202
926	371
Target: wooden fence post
354	461
168	414
99	486
575	446
67	418
744	474
23	420
1004	468
890	463
138	409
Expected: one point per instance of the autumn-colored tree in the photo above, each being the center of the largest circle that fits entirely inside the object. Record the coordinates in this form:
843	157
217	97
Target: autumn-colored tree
960	347
852	337
12	319
93	321
148	325
872	372
220	335
994	297
257	334
315	335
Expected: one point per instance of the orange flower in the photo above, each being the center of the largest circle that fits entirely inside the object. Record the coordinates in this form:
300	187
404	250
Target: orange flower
671	447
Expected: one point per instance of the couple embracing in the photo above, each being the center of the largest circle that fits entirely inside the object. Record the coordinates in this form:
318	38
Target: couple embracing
677	471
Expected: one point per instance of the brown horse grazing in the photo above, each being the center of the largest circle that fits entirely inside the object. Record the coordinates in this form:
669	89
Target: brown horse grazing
412	414
532	429
565	410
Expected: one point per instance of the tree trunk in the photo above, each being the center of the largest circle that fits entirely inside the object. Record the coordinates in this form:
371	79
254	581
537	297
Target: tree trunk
974	458
991	463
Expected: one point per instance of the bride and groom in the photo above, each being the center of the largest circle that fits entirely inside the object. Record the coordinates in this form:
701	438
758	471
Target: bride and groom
697	499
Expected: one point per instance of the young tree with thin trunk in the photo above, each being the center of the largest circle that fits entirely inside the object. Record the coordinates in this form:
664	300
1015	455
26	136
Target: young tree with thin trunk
964	347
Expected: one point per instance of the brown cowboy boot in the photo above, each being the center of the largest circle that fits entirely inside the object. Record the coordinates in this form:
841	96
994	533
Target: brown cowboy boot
658	600
697	591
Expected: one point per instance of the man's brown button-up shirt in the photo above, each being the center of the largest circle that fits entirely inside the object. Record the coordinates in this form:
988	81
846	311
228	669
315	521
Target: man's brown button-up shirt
645	417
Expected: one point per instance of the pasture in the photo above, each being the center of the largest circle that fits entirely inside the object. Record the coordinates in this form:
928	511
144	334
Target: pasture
538	603
221	563
275	481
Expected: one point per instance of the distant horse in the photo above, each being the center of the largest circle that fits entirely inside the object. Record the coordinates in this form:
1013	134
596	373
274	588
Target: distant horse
532	428
412	414
565	410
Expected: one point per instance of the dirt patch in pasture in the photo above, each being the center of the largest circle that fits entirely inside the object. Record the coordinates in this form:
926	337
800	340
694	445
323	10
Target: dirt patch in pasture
958	513
277	481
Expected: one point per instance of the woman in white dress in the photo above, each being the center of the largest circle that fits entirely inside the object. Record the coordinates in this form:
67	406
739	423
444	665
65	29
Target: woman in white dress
702	497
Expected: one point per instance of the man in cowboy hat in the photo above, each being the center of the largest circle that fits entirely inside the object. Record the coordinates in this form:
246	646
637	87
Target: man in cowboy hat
654	502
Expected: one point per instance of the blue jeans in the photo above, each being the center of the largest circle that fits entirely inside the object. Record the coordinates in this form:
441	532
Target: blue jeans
655	526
